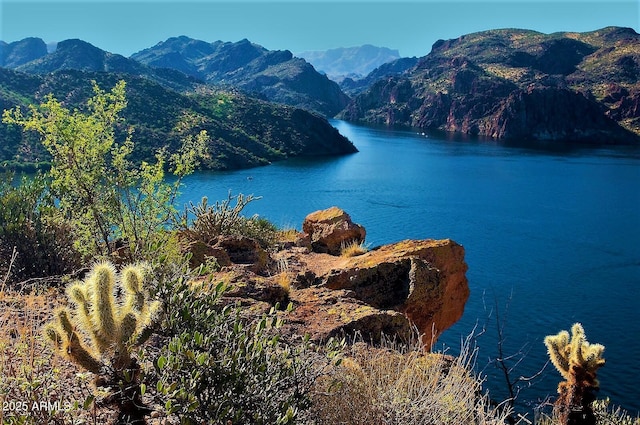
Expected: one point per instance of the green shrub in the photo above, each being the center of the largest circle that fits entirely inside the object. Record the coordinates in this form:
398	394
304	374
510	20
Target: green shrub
223	218
218	367
107	197
31	227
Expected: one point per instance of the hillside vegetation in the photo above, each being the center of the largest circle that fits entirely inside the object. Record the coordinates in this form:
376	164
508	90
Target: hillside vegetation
517	84
274	75
244	132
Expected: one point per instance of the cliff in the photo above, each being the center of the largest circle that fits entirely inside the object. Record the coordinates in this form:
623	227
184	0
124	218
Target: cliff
386	290
517	84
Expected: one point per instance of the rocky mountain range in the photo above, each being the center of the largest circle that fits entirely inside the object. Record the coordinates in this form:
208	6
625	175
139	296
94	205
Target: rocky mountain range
272	75
504	84
517	84
269	75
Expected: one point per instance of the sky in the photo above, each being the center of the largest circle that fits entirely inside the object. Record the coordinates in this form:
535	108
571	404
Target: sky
411	26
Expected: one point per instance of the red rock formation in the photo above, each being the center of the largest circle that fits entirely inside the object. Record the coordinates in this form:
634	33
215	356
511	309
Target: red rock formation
330	229
423	279
387	290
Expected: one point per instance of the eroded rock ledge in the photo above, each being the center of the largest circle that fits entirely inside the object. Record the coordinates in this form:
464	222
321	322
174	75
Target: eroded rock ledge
386	289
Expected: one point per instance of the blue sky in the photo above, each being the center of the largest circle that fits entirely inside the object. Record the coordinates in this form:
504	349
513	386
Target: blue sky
410	26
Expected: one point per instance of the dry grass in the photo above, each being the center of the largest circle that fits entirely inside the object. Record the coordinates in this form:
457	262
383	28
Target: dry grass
283	276
287	235
36	386
403	385
353	249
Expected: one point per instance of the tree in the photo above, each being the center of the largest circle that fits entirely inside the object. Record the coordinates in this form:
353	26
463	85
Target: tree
98	187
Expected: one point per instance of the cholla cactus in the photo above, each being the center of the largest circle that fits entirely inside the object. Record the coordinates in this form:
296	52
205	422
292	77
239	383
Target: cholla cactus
104	329
577	361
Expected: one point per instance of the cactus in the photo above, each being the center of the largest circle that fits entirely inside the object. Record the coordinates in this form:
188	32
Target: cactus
577	361
103	330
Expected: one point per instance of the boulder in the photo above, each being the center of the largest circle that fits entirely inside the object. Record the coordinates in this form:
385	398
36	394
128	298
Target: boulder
322	313
331	229
423	280
201	252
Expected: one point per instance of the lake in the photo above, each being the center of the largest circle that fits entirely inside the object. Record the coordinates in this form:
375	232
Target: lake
552	235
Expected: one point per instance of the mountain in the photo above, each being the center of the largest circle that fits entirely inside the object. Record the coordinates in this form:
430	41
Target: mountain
82	56
273	75
390	69
20	52
353	62
517	84
244	132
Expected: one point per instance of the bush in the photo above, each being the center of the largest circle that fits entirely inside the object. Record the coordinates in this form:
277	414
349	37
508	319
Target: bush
220	368
108	198
31	227
223	218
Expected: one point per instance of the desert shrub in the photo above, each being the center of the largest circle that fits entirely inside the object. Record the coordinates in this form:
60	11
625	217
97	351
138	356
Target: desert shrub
225	218
402	384
107	197
604	412
218	367
31	227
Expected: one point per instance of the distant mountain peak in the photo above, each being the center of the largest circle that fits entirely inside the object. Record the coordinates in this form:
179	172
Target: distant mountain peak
349	61
20	52
270	74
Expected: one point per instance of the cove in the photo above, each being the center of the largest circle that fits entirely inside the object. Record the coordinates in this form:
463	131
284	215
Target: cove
551	235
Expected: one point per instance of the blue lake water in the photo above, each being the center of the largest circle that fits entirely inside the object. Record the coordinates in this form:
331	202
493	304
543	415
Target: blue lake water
552	236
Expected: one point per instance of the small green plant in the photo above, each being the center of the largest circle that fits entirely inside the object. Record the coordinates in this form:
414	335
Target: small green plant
577	361
220	367
225	218
109	331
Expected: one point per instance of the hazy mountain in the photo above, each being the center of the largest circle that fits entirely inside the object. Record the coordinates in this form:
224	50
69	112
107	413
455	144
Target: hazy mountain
244	132
518	84
273	75
20	52
352	62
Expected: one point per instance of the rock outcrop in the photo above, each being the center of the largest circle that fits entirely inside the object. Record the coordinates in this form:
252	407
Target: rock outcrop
422	279
331	229
387	290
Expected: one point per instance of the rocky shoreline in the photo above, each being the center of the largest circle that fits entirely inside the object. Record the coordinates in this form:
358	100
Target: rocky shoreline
386	290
